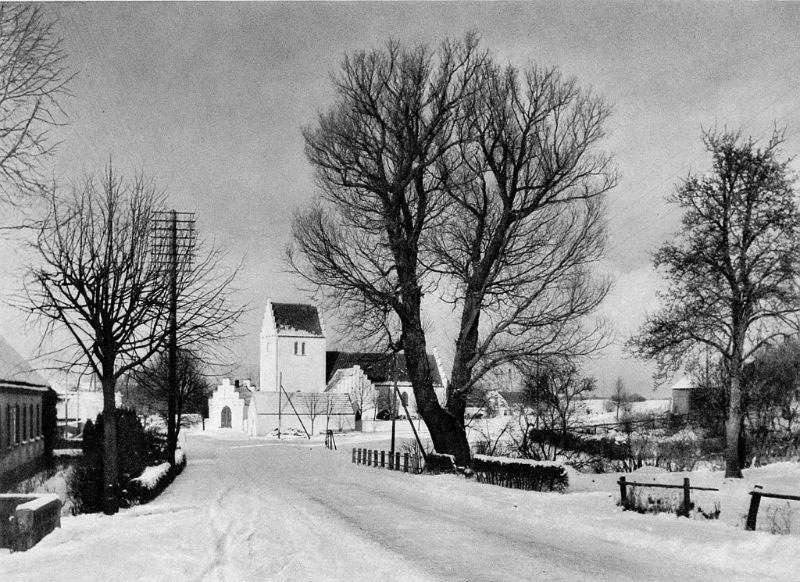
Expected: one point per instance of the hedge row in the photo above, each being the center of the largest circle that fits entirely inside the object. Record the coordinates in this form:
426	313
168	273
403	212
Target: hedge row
436	463
520	473
143	489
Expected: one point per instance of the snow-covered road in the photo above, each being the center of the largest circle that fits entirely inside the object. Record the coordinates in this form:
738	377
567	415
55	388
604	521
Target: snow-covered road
261	510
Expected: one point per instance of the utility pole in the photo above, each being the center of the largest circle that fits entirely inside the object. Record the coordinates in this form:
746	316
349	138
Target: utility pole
173	248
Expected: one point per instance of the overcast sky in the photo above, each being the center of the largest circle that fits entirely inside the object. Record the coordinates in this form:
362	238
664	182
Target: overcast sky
209	100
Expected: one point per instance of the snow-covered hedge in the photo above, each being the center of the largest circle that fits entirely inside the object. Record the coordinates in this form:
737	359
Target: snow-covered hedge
520	473
155	479
436	463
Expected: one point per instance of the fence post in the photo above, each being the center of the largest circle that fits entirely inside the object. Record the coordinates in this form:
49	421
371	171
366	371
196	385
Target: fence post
354	455
752	514
391	461
375	456
415	464
397	461
405	462
687	501
383	459
358	457
623	491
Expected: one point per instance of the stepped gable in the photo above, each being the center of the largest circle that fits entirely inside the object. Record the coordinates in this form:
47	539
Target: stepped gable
296	318
377	366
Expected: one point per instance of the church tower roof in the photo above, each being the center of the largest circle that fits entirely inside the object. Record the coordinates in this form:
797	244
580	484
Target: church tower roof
297	319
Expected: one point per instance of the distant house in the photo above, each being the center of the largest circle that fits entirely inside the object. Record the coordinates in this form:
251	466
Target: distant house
487	404
25	408
79	400
682	392
381	371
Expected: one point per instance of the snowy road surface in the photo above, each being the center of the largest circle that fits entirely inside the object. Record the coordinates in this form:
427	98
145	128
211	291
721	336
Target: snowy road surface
260	510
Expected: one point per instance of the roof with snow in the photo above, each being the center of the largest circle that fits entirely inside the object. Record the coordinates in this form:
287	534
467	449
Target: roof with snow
14	369
293	318
304	403
377	366
684	383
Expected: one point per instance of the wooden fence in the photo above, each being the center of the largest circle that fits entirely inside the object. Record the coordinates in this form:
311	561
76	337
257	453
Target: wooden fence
687	488
755	501
404	462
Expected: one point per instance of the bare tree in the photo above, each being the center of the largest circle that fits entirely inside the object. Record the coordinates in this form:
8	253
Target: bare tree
620	396
732	270
549	412
97	280
525	223
33	78
375	154
151	387
316	404
442	172
364	396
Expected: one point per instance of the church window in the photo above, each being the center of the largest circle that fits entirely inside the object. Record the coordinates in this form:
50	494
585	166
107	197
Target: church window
303	348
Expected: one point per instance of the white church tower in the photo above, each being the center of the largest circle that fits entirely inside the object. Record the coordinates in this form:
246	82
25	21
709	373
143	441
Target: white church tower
292	348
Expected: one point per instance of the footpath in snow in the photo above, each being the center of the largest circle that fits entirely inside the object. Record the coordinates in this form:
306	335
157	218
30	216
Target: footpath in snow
293	511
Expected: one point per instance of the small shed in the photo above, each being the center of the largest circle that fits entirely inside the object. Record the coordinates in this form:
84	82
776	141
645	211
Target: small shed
682	396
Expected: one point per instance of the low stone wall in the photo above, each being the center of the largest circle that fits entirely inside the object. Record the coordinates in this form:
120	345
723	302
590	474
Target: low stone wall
26	519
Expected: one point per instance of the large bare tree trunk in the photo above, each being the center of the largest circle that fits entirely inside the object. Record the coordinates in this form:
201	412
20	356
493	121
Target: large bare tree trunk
446	431
733	428
733	425
110	485
463	361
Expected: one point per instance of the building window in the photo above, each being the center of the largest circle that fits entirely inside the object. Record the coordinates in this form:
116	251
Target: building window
295	348
303	348
39	419
24	423
9	431
31	421
16	425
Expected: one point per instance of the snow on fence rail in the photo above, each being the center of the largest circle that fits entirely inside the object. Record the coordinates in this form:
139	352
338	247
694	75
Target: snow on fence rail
755	501
385	459
687	488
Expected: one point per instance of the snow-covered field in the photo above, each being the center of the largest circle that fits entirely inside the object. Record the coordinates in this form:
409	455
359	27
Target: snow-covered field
292	510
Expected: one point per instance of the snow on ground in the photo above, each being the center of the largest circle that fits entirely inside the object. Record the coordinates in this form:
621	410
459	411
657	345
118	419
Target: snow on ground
270	510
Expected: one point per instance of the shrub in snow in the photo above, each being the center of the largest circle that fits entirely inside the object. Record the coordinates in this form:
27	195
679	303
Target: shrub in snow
154	480
667	501
86	482
436	463
520	473
779	519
